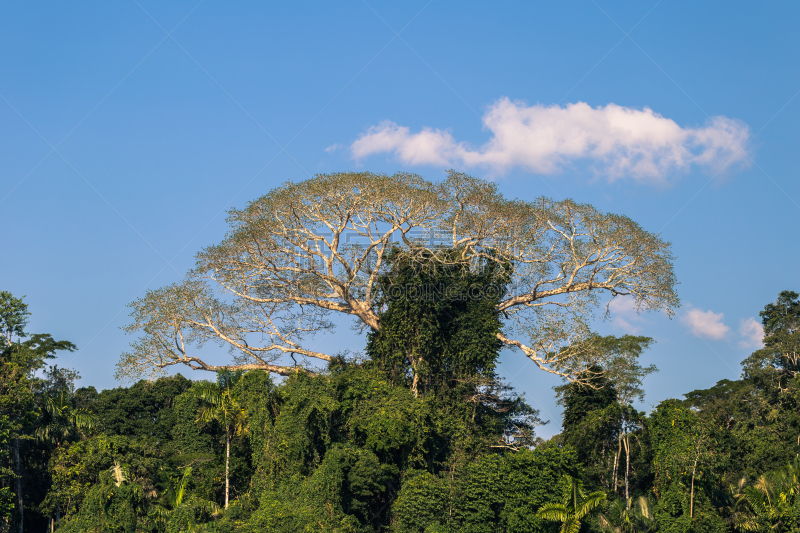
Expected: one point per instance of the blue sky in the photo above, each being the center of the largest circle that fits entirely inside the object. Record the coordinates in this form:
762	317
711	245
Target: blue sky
127	129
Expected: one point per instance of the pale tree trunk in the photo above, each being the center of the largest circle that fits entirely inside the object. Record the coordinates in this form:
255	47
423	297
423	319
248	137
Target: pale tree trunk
18	472
691	493
617	457
227	462
614	474
627	469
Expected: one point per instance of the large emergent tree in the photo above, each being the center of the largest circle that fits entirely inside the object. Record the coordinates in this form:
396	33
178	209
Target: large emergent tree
308	251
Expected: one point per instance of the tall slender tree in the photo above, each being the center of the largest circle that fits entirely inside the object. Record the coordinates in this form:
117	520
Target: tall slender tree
221	405
625	372
598	414
13	319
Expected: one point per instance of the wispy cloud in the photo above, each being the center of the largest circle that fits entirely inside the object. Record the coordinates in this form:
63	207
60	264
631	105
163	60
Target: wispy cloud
617	141
706	324
752	333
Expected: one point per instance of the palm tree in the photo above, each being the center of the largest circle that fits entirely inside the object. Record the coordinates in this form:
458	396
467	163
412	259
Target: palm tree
221	405
61	422
770	501
176	489
620	519
176	497
574	508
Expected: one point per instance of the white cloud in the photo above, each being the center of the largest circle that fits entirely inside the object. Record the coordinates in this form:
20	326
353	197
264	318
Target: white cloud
332	148
752	333
624	317
706	324
619	141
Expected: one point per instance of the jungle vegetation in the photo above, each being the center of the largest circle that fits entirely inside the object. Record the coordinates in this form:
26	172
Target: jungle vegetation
368	445
416	432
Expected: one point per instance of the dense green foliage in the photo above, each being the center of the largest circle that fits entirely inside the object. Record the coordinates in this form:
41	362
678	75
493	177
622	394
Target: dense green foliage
440	320
418	437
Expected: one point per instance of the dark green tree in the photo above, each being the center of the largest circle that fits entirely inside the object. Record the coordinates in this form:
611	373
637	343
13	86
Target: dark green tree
687	461
599	418
781	321
180	509
496	492
760	412
22	355
431	406
775	365
141	410
107	484
13	317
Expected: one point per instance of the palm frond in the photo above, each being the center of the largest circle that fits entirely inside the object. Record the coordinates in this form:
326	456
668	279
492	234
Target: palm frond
83	419
605	524
187	476
571	525
557	512
589	503
642	506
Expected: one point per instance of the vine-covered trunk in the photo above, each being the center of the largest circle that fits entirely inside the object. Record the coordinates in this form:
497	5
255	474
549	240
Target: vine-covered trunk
605	481
18	475
414	381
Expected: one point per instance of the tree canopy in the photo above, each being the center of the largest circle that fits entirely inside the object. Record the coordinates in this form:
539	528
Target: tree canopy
306	251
